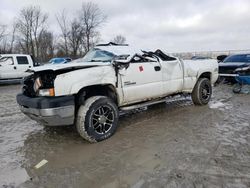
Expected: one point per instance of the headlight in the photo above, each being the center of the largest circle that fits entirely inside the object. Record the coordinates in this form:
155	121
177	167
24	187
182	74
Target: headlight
37	84
46	92
44	84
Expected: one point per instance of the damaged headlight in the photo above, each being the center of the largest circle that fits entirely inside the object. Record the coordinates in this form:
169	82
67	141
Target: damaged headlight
41	89
37	84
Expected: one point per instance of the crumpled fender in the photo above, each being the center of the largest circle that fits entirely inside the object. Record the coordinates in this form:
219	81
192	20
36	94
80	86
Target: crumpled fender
72	82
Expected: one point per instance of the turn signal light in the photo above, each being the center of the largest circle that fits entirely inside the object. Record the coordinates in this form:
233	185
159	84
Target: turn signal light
47	92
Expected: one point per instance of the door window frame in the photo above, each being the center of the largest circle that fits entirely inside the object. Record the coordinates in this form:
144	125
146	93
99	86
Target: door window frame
6	58
18	61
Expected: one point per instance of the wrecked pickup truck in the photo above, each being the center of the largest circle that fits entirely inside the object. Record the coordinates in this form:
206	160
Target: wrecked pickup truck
91	91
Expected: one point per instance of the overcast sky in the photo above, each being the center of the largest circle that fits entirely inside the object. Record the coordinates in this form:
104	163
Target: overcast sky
173	25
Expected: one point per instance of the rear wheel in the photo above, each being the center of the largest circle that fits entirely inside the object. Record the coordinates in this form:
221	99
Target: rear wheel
202	92
97	119
237	88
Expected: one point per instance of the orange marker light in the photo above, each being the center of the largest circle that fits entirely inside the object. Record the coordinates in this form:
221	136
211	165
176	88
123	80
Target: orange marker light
51	92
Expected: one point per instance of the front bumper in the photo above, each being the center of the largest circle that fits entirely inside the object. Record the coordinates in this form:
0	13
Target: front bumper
50	111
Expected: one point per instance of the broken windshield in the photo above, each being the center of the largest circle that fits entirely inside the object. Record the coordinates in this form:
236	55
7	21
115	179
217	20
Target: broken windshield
97	55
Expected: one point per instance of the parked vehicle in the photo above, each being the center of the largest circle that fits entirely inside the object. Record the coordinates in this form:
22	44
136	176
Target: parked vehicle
91	91
243	78
14	66
60	60
221	58
228	66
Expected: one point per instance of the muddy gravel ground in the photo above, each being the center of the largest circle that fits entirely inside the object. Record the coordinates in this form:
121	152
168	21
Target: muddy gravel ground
175	144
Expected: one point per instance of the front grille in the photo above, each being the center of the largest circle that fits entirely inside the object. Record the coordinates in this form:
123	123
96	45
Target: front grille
227	70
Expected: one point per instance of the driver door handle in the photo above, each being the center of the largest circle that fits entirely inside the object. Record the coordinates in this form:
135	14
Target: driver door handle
157	68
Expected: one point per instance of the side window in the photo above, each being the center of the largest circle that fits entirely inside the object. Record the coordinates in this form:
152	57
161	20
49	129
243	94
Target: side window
22	60
6	61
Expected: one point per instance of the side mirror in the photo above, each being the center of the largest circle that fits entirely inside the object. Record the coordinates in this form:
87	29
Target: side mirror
221	58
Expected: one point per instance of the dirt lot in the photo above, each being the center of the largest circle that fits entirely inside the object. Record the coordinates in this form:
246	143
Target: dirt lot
175	144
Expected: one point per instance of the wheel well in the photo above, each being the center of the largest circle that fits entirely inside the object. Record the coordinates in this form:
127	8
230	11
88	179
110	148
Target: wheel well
95	90
206	75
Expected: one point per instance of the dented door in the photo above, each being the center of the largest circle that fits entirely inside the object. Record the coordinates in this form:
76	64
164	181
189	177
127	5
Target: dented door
142	81
172	76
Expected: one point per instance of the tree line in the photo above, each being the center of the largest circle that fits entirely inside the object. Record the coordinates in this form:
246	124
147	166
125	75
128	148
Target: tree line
30	33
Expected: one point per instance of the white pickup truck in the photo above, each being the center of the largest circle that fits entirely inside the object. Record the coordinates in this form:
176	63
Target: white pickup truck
13	67
90	92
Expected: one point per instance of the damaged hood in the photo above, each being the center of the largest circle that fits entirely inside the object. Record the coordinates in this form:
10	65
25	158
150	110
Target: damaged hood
69	66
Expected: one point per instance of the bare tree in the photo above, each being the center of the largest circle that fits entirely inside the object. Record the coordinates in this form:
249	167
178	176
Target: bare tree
119	39
63	23
7	38
46	45
13	37
38	26
30	24
91	18
75	37
24	24
2	31
30	34
72	35
2	38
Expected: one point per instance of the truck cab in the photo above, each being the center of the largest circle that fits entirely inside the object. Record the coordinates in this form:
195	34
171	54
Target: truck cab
14	66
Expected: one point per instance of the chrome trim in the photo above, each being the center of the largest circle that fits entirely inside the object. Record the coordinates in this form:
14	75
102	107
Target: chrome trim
229	75
51	116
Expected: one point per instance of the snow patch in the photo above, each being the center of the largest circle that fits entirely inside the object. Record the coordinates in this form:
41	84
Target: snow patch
216	105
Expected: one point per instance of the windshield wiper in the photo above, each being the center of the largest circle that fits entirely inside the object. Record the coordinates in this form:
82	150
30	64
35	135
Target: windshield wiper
93	60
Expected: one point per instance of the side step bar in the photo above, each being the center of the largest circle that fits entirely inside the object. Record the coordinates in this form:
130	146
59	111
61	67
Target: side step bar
141	105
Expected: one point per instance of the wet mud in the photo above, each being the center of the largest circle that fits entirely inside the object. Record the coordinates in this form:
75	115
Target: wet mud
175	144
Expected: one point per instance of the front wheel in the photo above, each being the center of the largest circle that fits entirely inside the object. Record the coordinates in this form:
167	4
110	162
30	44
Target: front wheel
97	119
202	92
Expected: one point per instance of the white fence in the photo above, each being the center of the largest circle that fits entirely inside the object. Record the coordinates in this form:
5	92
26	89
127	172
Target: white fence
209	54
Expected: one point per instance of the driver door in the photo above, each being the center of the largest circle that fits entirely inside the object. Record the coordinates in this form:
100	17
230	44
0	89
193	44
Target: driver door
142	80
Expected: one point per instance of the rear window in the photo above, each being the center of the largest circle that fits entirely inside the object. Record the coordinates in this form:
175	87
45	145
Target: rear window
245	58
22	60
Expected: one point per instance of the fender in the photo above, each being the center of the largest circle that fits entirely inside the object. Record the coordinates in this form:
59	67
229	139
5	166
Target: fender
72	82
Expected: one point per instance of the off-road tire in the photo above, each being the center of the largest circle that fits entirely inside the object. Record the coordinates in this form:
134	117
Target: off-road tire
87	118
202	92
